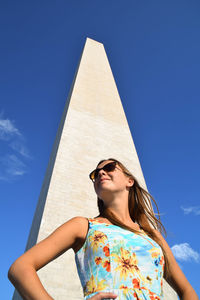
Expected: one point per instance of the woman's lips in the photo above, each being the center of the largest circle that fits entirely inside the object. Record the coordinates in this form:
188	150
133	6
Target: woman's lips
103	179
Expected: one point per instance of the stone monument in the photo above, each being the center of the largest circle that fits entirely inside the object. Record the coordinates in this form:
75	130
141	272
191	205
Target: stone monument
93	127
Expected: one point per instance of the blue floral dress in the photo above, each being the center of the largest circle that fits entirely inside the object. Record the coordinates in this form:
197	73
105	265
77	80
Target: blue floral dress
116	260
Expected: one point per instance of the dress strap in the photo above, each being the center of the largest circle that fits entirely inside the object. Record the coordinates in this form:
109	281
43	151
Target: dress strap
92	221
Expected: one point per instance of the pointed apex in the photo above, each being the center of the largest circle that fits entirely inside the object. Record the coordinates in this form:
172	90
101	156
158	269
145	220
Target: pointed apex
89	40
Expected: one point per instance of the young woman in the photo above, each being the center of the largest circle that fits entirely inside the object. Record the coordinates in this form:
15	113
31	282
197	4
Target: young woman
120	254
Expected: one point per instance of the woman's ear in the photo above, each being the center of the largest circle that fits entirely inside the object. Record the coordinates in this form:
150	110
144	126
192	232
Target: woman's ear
130	182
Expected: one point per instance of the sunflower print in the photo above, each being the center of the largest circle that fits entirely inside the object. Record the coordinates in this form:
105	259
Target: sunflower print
94	285
113	259
126	263
96	239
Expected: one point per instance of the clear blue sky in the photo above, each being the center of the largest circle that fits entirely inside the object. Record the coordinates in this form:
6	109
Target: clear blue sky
154	51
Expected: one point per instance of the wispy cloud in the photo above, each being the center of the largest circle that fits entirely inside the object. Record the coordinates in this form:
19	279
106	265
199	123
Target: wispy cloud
184	252
20	148
191	210
8	129
13	151
11	166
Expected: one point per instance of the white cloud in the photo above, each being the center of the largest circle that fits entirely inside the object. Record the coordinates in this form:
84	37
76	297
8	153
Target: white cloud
11	166
13	145
20	148
184	252
8	129
191	210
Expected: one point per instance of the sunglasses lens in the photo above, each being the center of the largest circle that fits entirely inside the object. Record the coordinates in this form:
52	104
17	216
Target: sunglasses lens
96	173
92	175
108	168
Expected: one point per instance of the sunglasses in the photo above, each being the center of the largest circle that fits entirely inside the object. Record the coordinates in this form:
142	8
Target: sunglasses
107	168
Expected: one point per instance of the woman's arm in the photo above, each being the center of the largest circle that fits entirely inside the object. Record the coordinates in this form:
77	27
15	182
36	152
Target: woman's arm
176	278
22	272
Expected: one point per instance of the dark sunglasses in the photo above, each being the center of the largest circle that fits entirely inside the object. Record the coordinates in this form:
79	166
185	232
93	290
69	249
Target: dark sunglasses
107	168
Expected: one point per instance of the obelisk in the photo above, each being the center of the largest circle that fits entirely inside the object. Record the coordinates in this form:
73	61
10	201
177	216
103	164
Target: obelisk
93	127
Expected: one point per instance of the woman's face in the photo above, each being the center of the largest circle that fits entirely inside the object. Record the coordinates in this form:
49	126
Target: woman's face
111	182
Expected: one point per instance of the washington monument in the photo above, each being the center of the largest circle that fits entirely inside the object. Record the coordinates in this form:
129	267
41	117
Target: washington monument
93	127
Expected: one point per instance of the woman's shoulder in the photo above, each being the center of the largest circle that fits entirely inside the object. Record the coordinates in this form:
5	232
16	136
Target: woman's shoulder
161	239
79	221
81	224
158	235
77	226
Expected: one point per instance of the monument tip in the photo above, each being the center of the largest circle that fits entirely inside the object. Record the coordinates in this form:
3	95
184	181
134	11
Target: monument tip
89	40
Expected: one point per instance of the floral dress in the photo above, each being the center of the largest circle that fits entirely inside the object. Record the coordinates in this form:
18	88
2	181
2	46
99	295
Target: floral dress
116	260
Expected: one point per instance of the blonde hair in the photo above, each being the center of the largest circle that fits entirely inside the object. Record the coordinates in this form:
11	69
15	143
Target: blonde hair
140	209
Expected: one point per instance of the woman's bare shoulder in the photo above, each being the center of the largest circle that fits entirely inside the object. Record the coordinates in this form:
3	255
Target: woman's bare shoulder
78	223
161	239
158	234
79	220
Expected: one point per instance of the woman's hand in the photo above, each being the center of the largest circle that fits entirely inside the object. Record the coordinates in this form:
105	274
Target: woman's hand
101	296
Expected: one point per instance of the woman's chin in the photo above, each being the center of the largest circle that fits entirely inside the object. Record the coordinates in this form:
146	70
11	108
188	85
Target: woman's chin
105	193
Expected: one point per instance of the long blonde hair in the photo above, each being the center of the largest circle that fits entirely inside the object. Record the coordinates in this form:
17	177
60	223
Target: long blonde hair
140	209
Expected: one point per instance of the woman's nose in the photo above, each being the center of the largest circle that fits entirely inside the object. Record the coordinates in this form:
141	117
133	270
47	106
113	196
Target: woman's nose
101	172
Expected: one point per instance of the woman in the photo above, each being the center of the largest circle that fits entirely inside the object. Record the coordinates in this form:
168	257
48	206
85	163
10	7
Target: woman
120	255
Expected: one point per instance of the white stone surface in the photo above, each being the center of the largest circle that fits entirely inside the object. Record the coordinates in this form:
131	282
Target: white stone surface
93	127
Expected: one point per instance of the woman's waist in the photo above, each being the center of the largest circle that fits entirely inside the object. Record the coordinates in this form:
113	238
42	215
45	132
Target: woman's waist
124	292
97	283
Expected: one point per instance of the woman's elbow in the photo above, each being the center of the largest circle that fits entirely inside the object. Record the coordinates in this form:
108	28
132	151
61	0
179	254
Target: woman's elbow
17	271
12	271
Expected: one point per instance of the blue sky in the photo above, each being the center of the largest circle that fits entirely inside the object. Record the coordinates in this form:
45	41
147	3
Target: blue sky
153	48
